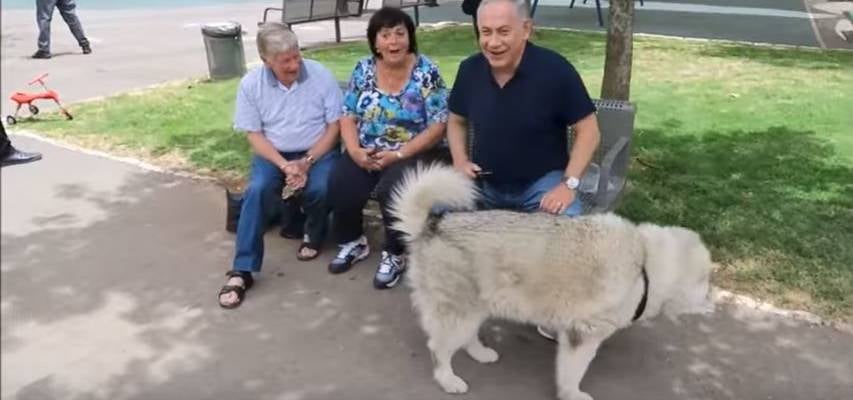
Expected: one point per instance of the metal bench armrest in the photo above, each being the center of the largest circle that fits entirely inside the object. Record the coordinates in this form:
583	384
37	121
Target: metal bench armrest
604	196
268	9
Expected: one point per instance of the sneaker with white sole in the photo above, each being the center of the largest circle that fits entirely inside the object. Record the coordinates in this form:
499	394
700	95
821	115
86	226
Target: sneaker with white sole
349	254
390	270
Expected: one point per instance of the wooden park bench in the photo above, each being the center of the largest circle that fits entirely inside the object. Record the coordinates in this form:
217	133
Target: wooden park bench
301	11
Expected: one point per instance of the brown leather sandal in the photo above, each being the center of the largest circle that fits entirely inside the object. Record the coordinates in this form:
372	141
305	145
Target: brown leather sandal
307	245
248	281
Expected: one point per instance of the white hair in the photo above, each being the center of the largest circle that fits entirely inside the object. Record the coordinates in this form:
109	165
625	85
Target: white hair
274	38
521	7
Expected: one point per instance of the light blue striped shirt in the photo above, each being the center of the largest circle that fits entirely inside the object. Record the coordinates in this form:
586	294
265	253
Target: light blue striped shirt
292	119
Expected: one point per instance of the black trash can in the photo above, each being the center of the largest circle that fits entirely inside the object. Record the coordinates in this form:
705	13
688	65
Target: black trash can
223	43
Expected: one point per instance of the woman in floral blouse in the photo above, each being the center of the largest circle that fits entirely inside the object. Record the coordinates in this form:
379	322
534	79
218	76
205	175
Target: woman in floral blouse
395	112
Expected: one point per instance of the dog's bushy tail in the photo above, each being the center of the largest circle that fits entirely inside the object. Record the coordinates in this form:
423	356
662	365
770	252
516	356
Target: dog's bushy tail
427	187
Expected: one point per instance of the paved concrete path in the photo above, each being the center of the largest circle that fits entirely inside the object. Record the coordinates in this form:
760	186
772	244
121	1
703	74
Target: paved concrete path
109	280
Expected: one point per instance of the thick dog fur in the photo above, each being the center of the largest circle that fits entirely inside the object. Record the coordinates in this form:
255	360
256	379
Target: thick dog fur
581	277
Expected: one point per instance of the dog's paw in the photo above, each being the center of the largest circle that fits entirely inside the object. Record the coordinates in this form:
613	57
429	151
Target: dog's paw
452	384
484	355
576	395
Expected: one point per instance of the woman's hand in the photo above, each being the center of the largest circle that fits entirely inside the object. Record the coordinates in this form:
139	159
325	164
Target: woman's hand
468	168
384	159
365	158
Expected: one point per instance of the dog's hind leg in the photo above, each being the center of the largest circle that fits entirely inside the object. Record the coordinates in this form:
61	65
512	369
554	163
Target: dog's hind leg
447	334
479	352
574	354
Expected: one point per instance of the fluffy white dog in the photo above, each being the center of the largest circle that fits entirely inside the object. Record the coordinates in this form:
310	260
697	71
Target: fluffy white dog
583	277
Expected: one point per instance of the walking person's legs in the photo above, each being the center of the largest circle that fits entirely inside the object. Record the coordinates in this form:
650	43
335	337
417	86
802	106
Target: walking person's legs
67	10
44	15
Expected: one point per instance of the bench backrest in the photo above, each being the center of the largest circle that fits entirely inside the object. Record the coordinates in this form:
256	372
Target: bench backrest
402	3
309	10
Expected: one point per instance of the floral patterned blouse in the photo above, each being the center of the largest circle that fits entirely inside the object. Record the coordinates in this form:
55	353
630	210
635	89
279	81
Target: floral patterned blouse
387	121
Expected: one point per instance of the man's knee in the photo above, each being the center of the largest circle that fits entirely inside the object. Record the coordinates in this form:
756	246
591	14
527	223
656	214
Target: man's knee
260	186
316	191
66	6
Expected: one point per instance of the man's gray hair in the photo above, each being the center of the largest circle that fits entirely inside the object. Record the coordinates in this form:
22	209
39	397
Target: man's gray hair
522	8
274	38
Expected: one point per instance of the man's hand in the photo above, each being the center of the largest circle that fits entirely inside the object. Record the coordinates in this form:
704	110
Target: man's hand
467	168
557	200
295	173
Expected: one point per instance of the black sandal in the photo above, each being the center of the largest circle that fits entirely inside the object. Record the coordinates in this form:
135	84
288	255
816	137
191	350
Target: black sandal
248	281
306	245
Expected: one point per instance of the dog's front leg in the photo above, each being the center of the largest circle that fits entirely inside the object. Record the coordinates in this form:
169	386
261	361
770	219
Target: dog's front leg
576	350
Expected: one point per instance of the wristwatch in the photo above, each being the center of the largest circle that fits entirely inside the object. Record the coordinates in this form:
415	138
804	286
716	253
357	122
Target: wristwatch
571	182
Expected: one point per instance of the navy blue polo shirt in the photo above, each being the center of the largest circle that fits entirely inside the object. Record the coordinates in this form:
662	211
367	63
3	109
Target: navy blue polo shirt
520	129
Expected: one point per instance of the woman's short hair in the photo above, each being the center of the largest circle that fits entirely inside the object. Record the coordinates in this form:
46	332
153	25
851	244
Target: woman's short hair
389	17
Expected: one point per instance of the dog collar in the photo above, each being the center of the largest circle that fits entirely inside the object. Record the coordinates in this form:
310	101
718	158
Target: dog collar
642	306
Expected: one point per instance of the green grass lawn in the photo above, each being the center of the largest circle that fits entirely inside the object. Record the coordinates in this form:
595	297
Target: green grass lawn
750	146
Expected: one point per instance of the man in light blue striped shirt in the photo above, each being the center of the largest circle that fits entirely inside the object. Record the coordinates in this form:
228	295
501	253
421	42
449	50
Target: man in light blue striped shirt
289	109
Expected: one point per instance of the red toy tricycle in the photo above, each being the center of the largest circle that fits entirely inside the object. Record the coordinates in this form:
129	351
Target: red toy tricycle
28	98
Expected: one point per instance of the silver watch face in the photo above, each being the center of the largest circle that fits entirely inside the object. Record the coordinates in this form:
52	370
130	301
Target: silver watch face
572	182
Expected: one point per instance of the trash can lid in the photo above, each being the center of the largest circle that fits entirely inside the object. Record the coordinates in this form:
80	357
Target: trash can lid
221	29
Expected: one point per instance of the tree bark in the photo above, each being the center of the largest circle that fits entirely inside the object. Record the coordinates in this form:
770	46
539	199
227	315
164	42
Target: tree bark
620	42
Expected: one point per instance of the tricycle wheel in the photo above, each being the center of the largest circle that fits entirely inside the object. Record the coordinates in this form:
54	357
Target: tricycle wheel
11	120
33	109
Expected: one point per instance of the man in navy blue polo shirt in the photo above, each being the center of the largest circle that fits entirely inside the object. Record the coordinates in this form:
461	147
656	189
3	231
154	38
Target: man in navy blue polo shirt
520	99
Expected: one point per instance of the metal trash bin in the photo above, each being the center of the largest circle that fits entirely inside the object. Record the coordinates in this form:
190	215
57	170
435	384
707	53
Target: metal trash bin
223	43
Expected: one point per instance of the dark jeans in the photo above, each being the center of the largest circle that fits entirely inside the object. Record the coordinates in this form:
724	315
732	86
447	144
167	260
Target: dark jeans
44	15
263	196
350	187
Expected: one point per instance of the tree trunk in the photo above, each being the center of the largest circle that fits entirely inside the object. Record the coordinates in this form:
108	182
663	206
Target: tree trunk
620	42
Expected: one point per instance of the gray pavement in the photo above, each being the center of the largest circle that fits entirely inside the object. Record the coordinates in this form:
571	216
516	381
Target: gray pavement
109	281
